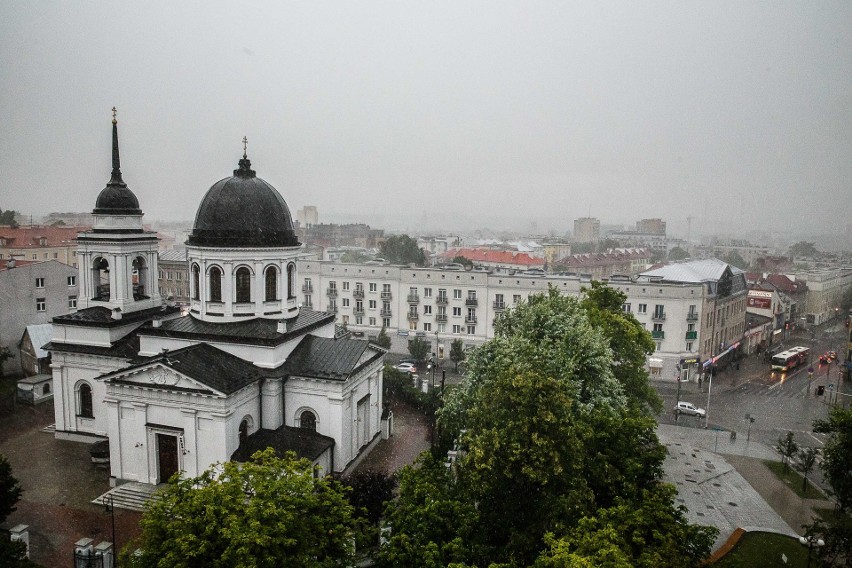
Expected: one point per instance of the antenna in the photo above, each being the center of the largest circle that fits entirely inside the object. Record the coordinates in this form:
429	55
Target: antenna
688	229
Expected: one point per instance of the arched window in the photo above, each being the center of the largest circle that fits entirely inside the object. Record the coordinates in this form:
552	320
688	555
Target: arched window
243	285
46	389
100	278
140	277
291	281
308	421
85	396
196	285
215	284
271	284
244	426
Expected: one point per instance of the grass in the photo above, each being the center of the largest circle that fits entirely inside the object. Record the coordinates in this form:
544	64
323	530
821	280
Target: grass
764	550
793	480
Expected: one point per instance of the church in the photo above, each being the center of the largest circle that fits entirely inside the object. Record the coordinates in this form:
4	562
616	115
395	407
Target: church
247	368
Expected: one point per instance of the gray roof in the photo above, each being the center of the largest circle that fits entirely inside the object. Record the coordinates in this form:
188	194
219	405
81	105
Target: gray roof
100	316
306	443
40	334
256	331
173	255
326	358
692	271
126	348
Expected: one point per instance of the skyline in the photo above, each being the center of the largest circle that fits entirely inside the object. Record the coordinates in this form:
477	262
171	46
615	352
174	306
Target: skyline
408	116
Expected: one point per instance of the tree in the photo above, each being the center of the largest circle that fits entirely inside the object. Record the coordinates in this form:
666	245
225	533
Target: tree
354	256
734	259
267	512
807	461
8	218
5	355
383	340
846	302
803	248
402	249
419	349
462	260
678	253
457	353
788	448
13	553
837	454
648	533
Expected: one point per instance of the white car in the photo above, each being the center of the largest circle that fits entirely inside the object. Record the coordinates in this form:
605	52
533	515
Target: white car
689	408
406	368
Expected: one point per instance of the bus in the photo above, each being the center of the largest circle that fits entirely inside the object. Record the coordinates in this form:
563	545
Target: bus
790	359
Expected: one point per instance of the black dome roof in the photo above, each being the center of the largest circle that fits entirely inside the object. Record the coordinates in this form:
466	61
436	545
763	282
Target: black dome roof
243	211
116	198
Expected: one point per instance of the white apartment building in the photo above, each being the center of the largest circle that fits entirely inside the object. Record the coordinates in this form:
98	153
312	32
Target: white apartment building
825	293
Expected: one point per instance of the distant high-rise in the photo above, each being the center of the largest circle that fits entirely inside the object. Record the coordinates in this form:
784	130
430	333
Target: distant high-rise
651	226
587	230
307	216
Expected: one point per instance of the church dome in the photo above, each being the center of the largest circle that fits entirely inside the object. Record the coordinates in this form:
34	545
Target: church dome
116	198
243	211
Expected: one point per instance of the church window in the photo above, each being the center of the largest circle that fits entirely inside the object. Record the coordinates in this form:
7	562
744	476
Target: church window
243	285
45	389
140	277
215	284
196	285
100	278
308	421
271	284
85	401
243	431
291	281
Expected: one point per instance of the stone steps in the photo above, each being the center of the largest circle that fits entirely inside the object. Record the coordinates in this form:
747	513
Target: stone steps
131	496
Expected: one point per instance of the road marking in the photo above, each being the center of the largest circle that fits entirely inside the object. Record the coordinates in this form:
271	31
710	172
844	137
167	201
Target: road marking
820	442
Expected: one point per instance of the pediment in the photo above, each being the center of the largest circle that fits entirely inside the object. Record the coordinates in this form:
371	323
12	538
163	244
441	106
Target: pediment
159	376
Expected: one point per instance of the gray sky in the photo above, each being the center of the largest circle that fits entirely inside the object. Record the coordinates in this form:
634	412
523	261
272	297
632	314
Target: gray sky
738	113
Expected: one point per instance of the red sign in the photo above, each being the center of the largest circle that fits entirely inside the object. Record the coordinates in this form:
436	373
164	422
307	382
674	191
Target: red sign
760	303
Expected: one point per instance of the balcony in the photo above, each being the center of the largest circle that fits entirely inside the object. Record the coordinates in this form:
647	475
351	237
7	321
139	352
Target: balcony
308	288
471	302
331	292
413	299
441	300
308	305
358	294
386	296
470	319
691	335
441	318
358	311
659	316
386	312
331	309
692	316
499	305
658	335
413	316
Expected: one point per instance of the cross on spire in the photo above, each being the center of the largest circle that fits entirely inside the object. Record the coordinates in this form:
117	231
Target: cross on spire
245	147
114	121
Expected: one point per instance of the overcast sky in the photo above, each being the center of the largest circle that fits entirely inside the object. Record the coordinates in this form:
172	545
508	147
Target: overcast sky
737	113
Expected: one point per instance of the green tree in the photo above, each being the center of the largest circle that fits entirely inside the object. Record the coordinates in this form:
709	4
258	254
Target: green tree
648	533
354	256
419	349
12	553
462	260
8	218
788	448
734	259
402	249
807	461
837	454
803	248
678	253
267	512
383	340
457	353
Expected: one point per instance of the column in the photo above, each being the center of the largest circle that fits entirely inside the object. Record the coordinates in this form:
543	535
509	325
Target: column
139	441
259	293
228	288
190	440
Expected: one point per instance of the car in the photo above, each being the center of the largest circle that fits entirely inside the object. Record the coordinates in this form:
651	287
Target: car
690	409
406	368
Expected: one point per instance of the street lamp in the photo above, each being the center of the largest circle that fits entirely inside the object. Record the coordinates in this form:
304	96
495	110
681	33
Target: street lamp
811	542
709	386
109	507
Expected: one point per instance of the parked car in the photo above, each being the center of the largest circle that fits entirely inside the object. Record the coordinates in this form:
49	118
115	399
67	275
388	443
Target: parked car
406	368
689	408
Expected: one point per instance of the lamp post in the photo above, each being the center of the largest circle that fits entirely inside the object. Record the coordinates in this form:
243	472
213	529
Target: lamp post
109	507
811	542
435	359
709	386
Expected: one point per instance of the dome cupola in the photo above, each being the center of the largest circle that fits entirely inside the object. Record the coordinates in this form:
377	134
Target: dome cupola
116	198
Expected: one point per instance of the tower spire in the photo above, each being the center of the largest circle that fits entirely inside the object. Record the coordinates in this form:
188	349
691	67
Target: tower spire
116	162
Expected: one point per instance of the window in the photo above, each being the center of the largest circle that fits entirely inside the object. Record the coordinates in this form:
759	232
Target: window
457	294
643	308
346	286
372	304
386	322
516	298
690	327
659	311
427	292
41	305
456	329
345	302
243	285
39	282
427	310
56	255
372	321
456	311
658	327
471	294
626	307
84	400
386	289
35	256
689	346
442	295
271	279
196	272
291	281
308	421
471	330
215	284
45	389
372	286
72	302
427	327
243	432
332	285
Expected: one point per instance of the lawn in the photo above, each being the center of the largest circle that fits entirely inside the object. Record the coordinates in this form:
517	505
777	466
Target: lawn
793	480
765	550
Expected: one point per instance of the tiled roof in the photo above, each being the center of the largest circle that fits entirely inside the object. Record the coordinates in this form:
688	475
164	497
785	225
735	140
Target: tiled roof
256	331
494	256
173	255
325	358
784	283
29	237
306	443
709	269
205	364
100	316
19	262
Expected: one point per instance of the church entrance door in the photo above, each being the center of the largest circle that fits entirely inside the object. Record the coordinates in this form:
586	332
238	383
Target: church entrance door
167	456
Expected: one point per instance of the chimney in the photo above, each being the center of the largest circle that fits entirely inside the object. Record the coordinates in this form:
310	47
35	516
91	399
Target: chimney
116	314
282	326
156	323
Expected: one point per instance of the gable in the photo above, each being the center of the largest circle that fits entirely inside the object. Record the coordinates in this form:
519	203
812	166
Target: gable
158	375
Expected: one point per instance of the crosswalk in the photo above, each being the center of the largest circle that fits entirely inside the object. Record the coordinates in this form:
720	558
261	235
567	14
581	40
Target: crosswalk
775	391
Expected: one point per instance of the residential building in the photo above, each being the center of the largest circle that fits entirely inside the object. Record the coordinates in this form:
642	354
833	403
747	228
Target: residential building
173	281
307	216
625	262
491	258
825	293
651	226
40	243
587	230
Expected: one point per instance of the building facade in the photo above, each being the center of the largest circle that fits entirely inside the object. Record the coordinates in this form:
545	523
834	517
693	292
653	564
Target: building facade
587	230
825	293
41	243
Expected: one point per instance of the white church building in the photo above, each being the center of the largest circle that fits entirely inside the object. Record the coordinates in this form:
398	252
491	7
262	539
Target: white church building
247	368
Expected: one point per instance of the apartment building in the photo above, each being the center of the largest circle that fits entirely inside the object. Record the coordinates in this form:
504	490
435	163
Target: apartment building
587	230
40	243
825	293
173	277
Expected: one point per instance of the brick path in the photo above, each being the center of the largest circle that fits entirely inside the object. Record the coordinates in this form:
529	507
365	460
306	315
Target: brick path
410	438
